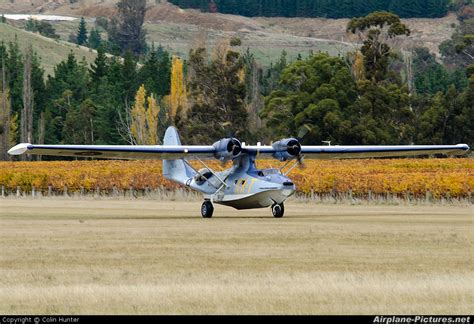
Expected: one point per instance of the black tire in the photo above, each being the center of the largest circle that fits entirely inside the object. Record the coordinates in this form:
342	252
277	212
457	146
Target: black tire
207	209
278	210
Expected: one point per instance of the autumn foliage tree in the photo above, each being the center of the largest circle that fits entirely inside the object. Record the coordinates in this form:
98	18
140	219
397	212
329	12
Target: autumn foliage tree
177	100
358	71
142	125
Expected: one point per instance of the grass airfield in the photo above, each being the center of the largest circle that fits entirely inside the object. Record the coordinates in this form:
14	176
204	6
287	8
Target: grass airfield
71	256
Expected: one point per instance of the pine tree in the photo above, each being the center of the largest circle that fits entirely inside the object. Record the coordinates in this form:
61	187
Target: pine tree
99	68
79	125
14	63
317	8
164	70
95	40
82	32
129	76
149	74
67	89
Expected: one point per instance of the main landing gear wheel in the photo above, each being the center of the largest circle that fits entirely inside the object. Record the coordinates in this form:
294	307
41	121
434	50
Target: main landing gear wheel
278	210
207	209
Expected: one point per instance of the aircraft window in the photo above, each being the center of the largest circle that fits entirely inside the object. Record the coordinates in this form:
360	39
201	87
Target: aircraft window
260	174
270	171
243	182
236	181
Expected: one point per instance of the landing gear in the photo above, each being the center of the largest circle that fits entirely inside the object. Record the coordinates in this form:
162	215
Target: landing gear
207	209
278	210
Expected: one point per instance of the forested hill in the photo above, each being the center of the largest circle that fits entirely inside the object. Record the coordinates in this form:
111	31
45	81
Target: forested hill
319	8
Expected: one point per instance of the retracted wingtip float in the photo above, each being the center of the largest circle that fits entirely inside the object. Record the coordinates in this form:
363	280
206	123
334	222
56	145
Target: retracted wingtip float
19	149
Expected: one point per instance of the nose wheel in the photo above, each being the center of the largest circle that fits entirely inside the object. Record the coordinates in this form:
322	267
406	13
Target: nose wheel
278	210
207	209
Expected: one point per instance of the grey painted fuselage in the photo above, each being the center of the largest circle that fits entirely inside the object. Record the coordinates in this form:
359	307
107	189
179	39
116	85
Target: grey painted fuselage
246	186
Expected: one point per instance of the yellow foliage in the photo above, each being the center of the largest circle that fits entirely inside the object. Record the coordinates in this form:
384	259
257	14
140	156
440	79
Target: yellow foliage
441	177
242	75
13	131
144	118
152	120
138	123
178	95
358	69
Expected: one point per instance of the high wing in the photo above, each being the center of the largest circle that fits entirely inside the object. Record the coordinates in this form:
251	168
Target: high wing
129	152
361	152
172	152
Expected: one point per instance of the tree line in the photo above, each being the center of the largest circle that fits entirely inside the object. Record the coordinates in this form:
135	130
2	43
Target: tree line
319	8
371	96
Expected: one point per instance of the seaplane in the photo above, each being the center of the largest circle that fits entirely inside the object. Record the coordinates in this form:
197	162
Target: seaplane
243	185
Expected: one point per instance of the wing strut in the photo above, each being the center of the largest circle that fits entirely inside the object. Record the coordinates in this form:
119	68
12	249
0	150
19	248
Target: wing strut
224	184
296	162
213	173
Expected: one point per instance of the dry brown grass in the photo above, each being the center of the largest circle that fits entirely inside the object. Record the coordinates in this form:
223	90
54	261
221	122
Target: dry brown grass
64	256
50	51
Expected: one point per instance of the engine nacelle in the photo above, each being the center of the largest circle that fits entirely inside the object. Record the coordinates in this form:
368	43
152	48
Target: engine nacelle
287	149
227	149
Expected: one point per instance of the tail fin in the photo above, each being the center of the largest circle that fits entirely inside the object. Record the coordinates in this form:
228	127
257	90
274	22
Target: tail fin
175	170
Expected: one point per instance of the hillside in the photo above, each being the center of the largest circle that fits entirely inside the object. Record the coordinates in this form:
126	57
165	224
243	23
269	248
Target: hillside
178	30
50	51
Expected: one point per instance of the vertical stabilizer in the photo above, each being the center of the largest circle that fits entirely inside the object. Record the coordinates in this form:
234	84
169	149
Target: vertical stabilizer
175	170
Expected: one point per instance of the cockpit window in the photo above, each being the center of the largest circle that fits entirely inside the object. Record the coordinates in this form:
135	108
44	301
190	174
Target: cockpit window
271	171
265	173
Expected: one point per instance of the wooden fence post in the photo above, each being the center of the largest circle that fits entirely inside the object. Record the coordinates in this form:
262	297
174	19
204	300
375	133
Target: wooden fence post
428	196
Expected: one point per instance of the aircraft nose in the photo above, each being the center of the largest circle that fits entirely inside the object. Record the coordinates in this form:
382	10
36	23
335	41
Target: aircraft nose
287	192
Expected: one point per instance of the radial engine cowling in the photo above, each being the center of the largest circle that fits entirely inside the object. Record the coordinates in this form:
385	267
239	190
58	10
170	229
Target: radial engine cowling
287	149
227	149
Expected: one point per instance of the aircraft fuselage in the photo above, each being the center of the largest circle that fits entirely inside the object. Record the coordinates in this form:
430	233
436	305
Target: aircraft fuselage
246	186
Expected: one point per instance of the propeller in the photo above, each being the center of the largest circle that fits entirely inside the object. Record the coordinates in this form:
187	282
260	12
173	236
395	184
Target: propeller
234	146
302	133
